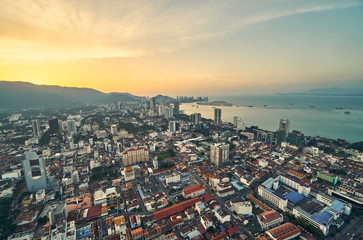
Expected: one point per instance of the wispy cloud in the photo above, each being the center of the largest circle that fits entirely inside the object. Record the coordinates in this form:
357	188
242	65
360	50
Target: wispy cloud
62	30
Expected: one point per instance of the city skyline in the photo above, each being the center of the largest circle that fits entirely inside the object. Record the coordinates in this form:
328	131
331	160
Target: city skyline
207	47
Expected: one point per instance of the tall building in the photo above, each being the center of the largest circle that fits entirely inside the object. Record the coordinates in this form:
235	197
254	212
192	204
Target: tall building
174	126
36	128
35	172
196	118
176	107
53	125
219	153
72	128
134	155
153	105
169	112
114	130
235	120
296	138
283	130
217	115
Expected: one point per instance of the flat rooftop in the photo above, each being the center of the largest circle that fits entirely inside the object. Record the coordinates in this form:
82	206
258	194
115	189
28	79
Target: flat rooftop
310	205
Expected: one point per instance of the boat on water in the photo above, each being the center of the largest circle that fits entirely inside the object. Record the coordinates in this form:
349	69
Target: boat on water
312	106
250	106
340	108
347	112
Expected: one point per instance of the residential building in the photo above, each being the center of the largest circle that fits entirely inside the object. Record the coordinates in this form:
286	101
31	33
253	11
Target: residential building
283	130
196	118
217	115
243	208
219	153
269	219
134	155
193	191
36	128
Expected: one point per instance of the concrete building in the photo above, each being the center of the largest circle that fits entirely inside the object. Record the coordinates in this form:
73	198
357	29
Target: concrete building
134	155
196	118
269	219
58	213
283	130
114	130
243	208
217	115
75	177
174	126
53	125
219	153
193	191
284	232
72	127
35	172
36	128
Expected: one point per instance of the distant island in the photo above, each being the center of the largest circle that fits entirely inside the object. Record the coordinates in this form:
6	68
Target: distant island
335	91
216	103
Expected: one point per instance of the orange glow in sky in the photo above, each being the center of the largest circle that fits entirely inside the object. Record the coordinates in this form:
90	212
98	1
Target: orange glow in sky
197	47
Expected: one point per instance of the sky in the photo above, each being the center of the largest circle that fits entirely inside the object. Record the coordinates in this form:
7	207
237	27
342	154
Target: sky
189	47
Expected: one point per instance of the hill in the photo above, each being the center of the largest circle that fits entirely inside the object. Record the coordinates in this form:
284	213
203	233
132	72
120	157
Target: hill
331	92
15	95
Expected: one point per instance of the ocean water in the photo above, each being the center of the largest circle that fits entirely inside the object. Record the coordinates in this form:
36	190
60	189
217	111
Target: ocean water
313	115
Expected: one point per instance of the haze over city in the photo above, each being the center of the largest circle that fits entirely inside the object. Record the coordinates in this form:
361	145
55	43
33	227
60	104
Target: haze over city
178	47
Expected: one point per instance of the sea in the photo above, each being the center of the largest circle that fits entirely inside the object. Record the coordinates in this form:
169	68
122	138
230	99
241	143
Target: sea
335	117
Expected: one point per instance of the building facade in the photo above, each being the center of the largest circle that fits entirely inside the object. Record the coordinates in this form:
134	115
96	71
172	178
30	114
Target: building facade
35	172
219	153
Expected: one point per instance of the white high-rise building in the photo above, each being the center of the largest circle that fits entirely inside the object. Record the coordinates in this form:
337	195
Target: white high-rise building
114	130
75	177
36	128
72	127
35	172
219	153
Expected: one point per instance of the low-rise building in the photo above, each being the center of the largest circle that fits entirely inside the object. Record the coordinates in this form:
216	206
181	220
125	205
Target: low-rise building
269	219
284	232
193	191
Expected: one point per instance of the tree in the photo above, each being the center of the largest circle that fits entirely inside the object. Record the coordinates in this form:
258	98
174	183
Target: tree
211	229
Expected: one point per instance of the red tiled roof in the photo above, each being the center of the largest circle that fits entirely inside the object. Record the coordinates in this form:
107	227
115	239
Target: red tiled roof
284	231
177	208
232	230
94	212
207	197
269	216
220	236
192	189
201	229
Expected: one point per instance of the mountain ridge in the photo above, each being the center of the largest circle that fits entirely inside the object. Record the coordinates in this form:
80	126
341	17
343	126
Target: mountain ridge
333	91
22	94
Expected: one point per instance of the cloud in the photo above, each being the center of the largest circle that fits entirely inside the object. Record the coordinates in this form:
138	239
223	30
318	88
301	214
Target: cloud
63	30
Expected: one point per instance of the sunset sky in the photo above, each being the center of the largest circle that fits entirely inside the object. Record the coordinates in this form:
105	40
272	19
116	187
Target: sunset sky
183	47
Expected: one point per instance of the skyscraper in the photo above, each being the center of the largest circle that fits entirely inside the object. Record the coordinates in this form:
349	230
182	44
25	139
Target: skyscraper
53	125
36	128
153	105
35	172
217	115
72	128
219	153
283	130
176	107
196	118
235	120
